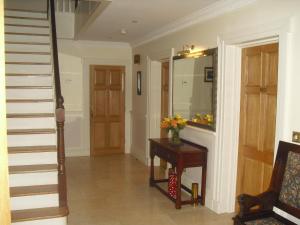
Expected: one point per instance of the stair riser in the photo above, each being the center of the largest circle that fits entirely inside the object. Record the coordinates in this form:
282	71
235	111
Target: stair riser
35	201
29	94
29	69
29	81
27	48
26	14
27	38
54	221
27	58
40	107
30	123
23	159
27	22
31	140
18	29
31	179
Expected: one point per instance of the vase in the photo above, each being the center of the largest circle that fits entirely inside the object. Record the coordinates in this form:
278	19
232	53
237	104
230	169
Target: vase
175	139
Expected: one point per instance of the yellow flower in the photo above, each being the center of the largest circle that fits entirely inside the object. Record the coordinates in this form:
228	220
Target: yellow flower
177	116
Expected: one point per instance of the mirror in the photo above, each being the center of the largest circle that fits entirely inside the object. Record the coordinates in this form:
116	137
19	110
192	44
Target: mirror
194	88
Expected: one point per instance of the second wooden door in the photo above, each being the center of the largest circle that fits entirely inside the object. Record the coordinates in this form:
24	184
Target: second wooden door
258	118
107	109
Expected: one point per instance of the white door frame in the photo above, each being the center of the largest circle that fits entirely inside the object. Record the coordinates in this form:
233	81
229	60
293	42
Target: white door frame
229	84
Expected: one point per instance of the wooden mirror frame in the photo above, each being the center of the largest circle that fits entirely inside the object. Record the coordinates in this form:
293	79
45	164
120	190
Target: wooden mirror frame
214	53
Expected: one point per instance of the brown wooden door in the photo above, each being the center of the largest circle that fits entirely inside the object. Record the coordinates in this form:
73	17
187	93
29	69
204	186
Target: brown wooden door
107	109
164	95
257	118
164	105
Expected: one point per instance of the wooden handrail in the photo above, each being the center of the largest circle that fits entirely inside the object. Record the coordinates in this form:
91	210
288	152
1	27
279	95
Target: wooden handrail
60	111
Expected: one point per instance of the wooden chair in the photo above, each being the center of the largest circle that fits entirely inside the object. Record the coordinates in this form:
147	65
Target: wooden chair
283	192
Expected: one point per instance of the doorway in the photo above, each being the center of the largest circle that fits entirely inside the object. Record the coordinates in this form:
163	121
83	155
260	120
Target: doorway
107	109
257	118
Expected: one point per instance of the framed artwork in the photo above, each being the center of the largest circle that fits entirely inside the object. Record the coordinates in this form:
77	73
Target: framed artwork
139	83
208	74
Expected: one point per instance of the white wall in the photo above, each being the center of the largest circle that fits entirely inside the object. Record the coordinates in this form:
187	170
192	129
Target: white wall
205	35
75	57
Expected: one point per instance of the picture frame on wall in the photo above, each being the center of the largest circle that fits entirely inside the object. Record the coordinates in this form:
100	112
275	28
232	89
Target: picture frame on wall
208	74
139	83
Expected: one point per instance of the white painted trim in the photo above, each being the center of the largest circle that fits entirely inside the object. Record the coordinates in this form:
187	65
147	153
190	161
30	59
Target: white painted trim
229	84
212	11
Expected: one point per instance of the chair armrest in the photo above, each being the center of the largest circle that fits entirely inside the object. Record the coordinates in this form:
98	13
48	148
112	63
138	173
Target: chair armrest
263	203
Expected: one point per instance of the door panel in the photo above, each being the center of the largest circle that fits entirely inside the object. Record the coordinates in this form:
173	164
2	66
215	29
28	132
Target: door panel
257	118
100	103
107	110
115	135
99	129
115	99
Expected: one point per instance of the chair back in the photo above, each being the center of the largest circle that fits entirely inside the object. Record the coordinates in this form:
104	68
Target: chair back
285	180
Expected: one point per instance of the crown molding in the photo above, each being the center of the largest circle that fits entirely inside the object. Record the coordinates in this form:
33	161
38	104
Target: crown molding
212	11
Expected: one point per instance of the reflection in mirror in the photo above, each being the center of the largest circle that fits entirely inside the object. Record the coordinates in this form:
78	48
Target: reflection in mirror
194	82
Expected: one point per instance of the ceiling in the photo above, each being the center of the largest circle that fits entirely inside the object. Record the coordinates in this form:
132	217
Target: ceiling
140	18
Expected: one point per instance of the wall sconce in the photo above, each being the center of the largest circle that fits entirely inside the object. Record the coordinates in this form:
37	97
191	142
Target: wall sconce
190	51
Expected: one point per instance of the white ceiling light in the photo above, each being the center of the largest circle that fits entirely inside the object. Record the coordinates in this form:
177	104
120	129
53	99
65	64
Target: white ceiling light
123	31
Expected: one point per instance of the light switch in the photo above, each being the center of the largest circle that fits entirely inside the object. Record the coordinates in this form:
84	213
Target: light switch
296	137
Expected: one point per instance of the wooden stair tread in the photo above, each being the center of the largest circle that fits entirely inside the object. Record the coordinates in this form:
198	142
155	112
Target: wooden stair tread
32	149
38	214
28	63
28	100
32	168
29	115
27	53
27	34
25	10
28	87
33	190
24	18
26	43
21	25
30	131
25	74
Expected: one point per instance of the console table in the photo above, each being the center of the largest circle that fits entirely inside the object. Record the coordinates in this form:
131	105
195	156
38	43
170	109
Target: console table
183	156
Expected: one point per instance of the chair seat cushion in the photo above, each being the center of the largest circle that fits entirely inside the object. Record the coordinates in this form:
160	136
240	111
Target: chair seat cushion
264	221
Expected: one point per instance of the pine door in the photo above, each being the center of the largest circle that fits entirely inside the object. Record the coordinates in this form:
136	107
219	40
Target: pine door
107	124
257	118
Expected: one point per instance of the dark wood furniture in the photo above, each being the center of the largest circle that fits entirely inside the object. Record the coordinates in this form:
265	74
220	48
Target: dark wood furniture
184	156
282	193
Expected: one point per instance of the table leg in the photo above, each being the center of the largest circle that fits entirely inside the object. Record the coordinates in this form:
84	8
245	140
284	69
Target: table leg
203	184
151	181
178	188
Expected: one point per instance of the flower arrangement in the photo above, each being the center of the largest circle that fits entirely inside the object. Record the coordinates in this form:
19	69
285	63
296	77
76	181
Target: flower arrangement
174	124
203	118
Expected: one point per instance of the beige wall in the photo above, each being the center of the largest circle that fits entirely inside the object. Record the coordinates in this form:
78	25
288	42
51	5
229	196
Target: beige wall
75	58
205	35
4	190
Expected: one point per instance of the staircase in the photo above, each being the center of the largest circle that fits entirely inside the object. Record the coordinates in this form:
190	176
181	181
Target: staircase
36	158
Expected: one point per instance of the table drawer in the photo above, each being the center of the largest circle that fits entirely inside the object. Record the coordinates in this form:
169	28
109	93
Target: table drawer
166	155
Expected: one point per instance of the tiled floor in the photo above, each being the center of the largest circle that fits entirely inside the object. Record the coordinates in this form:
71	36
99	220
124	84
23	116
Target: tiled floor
114	190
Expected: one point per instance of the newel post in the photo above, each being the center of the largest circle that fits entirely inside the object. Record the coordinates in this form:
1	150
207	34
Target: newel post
60	122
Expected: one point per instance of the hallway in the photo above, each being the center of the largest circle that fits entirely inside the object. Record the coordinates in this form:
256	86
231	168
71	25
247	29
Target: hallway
114	190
